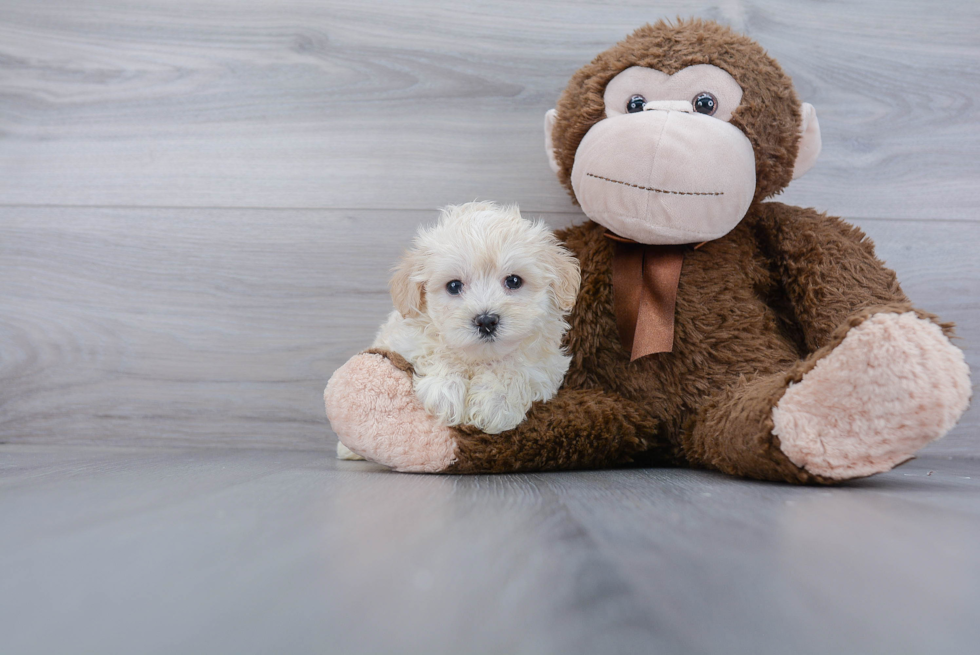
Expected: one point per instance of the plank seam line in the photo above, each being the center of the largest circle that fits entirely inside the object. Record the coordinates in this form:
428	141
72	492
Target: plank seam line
556	212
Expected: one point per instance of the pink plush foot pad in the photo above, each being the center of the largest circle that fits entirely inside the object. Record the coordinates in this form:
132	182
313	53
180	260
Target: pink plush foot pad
893	384
372	408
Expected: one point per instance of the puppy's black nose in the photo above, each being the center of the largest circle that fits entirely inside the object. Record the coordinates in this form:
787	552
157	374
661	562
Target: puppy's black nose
487	324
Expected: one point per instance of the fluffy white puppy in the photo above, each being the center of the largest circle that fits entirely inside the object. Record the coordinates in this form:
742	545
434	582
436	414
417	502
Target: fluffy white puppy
480	305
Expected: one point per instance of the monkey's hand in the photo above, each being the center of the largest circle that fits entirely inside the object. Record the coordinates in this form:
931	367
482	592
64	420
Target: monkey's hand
375	412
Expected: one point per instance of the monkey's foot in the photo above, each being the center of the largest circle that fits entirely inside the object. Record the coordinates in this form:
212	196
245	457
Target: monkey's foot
892	385
372	408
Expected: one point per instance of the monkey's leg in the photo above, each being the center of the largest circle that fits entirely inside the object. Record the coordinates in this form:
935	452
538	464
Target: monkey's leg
885	385
828	270
372	408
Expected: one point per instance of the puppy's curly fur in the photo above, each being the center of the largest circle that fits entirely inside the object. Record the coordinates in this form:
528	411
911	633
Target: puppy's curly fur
465	375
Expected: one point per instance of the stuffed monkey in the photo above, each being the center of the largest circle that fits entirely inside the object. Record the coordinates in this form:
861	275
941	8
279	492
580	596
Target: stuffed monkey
713	329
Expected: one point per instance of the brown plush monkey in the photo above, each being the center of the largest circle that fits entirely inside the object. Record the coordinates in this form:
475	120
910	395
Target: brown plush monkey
712	329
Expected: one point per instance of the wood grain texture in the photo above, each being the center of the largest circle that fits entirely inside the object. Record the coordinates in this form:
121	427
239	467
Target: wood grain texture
245	551
199	205
221	327
399	105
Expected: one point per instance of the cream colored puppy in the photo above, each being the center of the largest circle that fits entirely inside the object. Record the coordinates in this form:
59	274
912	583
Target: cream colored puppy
480	306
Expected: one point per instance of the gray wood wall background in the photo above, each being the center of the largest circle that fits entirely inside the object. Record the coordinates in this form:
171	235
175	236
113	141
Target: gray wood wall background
200	200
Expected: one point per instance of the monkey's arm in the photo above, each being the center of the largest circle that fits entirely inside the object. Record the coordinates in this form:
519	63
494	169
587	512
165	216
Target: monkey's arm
372	408
577	429
827	268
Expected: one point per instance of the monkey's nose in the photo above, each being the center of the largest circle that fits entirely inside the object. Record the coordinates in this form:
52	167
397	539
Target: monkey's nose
669	105
486	324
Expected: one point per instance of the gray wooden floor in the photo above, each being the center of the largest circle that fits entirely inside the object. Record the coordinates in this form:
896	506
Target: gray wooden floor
199	202
202	550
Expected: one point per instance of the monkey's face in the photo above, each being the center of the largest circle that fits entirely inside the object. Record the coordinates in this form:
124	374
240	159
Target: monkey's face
665	165
679	158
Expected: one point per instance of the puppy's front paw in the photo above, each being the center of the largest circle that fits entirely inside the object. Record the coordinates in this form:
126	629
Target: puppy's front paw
494	406
443	396
343	452
494	415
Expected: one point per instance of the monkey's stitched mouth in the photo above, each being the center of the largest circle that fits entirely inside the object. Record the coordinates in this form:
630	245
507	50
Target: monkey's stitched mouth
646	188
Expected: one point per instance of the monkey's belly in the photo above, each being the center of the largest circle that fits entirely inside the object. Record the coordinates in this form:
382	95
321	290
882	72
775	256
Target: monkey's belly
714	348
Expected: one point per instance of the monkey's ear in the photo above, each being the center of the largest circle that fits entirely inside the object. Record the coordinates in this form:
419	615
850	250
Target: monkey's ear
550	117
408	294
810	142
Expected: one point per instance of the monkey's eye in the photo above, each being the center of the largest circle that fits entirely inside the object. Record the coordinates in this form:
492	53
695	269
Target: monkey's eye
513	282
454	287
635	104
705	103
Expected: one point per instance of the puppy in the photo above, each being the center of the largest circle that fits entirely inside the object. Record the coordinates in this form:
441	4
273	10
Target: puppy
480	305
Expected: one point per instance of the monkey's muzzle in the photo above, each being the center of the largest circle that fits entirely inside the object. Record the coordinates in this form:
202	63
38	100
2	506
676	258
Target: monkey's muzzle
665	176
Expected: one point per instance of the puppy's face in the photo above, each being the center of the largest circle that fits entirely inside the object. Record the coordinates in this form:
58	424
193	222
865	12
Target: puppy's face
486	278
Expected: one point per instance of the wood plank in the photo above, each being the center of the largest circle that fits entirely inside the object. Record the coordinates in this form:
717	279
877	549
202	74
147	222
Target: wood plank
152	326
412	105
220	327
251	551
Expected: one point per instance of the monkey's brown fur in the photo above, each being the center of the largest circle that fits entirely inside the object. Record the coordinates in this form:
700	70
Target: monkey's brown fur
756	309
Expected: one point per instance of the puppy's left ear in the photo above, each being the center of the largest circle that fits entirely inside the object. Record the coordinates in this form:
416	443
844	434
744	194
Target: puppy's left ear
408	294
567	278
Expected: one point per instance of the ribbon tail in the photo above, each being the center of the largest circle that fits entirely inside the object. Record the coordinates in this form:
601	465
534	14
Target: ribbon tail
661	273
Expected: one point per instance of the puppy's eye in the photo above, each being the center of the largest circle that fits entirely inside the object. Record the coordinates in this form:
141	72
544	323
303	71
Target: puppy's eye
705	103
455	287
513	282
635	104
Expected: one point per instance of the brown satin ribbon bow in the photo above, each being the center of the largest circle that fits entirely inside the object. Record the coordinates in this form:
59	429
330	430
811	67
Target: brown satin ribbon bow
645	279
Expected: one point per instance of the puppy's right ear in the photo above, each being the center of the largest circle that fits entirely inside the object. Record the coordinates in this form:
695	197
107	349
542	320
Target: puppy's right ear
567	278
407	293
